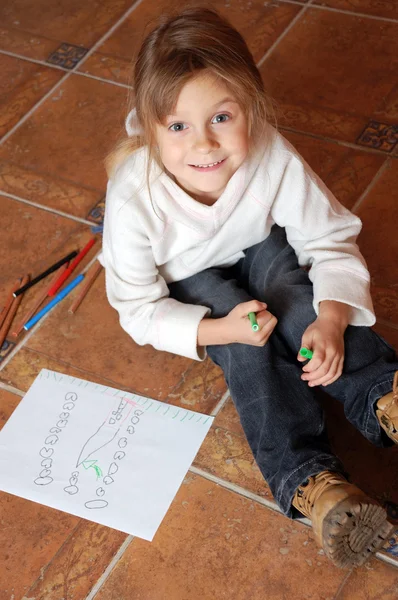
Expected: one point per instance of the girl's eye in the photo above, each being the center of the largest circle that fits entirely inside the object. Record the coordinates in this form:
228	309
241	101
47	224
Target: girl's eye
177	127
220	118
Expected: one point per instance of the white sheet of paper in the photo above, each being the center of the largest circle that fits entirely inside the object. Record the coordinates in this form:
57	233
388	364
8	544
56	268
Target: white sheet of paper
106	455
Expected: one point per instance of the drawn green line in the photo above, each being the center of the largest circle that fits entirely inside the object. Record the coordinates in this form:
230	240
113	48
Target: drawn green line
178	411
158	407
184	417
191	417
198	419
204	422
167	410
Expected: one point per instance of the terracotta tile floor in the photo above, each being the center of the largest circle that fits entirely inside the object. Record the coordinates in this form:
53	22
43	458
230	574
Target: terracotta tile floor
331	66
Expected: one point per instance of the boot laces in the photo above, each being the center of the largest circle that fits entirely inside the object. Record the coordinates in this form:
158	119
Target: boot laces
307	495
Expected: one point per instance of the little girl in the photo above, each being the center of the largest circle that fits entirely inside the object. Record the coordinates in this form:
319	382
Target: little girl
211	215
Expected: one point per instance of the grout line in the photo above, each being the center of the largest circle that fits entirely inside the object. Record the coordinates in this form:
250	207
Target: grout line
325	138
97	586
285	32
69	73
232	487
220	404
344	12
10	388
43	63
29	333
371	185
342	584
270	504
49	209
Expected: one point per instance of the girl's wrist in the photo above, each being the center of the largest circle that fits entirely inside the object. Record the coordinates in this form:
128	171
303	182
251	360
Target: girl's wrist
335	311
212	332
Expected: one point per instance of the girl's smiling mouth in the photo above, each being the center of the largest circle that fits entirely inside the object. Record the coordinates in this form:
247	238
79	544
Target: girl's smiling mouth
209	167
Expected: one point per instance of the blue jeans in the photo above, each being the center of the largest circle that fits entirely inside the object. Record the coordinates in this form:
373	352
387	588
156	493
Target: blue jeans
282	419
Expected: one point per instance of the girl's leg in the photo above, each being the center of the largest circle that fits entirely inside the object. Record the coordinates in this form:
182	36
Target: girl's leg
282	420
271	273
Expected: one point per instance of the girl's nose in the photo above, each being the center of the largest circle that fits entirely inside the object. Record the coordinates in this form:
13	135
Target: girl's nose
205	143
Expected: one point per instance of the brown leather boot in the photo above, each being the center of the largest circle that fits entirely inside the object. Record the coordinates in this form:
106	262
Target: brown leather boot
347	524
387	411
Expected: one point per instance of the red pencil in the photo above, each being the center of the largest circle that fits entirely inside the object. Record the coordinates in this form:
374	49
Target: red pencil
72	266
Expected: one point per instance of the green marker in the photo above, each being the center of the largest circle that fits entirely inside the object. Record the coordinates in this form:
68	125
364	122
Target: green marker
306	353
253	321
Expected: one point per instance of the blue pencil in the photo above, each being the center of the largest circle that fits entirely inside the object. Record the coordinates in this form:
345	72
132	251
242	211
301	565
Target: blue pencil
50	305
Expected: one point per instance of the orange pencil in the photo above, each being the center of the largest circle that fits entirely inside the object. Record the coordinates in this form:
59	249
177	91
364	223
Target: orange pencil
11	313
88	282
72	266
36	306
8	303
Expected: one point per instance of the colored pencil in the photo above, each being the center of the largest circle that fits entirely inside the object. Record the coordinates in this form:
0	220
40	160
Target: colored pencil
71	267
11	314
9	301
38	303
51	269
53	302
89	280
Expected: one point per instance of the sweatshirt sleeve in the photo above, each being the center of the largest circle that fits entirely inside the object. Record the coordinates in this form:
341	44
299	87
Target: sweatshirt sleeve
138	292
323	234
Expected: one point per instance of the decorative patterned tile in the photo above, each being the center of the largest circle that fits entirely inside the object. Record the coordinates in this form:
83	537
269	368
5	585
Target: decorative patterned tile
350	50
22	85
96	214
214	543
260	22
5	349
380	136
67	56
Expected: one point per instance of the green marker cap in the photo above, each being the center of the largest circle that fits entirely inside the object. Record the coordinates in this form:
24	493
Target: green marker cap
306	353
253	321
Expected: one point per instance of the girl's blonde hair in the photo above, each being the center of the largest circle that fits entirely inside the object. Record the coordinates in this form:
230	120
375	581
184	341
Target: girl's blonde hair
176	50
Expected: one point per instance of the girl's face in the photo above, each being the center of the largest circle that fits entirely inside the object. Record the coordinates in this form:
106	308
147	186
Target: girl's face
206	140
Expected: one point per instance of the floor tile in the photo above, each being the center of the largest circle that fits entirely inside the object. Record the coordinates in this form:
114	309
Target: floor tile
69	136
378	241
346	171
359	58
383	8
22	85
32	239
45	190
260	23
216	544
201	388
374	581
30	534
77	23
228	456
79	564
26	364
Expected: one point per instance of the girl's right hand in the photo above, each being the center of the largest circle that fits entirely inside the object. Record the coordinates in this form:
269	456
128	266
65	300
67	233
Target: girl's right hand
237	328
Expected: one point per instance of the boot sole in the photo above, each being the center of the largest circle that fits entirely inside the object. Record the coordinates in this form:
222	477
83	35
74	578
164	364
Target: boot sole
353	530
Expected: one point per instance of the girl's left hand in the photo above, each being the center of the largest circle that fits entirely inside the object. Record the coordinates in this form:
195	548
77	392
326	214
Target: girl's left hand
325	337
